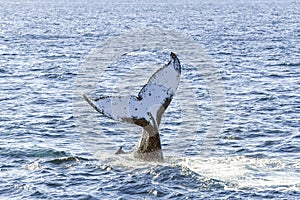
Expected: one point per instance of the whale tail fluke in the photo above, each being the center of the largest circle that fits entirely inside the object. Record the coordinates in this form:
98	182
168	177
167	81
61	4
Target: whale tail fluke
145	109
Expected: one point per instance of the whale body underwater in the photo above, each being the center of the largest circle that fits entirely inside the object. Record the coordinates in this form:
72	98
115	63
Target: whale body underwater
145	109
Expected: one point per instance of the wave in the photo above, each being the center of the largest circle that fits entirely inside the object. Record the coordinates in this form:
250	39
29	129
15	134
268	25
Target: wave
34	152
70	159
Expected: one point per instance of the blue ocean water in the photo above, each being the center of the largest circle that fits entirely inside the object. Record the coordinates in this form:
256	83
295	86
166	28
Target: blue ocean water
45	154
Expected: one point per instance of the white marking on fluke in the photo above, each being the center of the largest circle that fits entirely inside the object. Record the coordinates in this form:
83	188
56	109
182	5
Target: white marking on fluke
145	109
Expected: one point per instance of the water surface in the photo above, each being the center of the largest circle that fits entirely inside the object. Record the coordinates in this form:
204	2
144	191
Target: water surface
255	46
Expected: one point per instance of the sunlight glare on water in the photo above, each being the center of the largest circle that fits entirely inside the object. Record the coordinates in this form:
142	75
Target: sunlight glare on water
248	173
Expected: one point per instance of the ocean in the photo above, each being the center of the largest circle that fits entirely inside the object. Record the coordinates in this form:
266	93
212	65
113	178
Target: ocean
232	130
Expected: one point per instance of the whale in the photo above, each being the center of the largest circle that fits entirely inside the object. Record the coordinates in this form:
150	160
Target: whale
144	109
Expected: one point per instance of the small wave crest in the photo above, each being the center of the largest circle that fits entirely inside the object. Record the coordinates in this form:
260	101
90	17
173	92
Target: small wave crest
70	159
34	152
